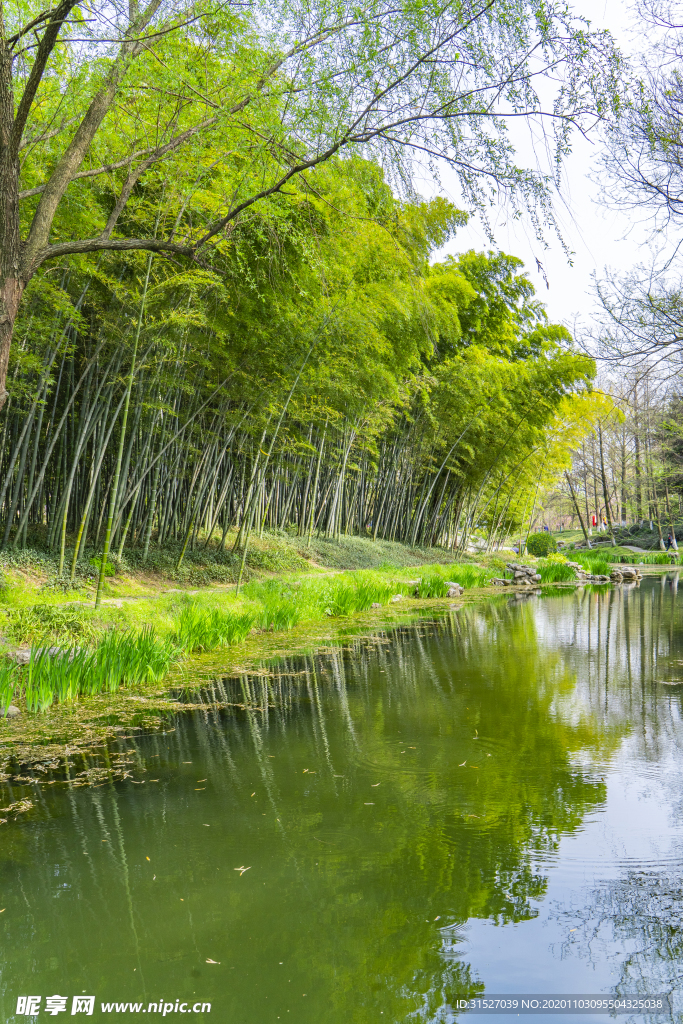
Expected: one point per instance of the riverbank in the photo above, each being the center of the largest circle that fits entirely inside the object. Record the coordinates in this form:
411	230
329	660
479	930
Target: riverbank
278	612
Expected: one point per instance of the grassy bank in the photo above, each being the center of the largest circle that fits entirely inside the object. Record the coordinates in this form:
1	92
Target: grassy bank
91	673
89	670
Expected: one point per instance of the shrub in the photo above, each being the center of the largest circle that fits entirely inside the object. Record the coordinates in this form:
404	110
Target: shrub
541	544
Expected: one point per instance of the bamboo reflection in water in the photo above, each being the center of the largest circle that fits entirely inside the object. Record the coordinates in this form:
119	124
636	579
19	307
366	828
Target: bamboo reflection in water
531	696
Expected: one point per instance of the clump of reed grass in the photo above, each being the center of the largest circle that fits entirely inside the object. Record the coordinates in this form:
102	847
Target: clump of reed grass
469	575
432	585
8	683
285	605
660	558
555	572
435	582
594	561
121	659
205	629
282	614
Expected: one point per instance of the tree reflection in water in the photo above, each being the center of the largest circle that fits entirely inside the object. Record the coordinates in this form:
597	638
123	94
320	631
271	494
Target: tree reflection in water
383	795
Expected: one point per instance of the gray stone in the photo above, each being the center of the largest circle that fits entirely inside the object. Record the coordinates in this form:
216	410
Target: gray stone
22	656
12	712
375	604
395	598
454	590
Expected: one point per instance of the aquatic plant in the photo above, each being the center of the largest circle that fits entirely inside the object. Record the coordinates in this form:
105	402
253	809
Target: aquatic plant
660	558
281	614
120	659
8	682
555	572
595	562
432	585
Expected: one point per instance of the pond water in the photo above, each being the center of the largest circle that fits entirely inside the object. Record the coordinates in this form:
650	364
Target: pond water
490	802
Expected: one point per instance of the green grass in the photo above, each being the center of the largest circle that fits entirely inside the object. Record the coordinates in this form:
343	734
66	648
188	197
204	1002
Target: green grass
284	605
43	622
659	558
432	585
206	629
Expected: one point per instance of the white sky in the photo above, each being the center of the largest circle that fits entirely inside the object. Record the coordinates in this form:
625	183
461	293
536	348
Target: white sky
597	236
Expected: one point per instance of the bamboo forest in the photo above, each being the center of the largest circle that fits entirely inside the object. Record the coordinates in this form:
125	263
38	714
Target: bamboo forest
341	496
342	385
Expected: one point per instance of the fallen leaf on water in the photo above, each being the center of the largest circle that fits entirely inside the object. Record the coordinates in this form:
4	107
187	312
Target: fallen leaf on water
213	961
146	858
242	869
206	826
201	780
369	803
3	910
154	878
373	784
253	794
462	765
438	917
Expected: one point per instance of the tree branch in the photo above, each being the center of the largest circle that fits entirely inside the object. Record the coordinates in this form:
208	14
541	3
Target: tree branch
45	48
102	244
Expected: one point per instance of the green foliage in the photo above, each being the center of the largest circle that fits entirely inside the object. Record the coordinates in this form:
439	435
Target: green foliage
541	544
280	614
109	569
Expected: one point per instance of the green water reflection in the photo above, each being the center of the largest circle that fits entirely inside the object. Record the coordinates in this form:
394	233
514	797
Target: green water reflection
384	798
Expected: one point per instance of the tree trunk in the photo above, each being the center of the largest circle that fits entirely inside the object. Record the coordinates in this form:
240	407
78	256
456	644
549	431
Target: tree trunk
11	285
608	511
